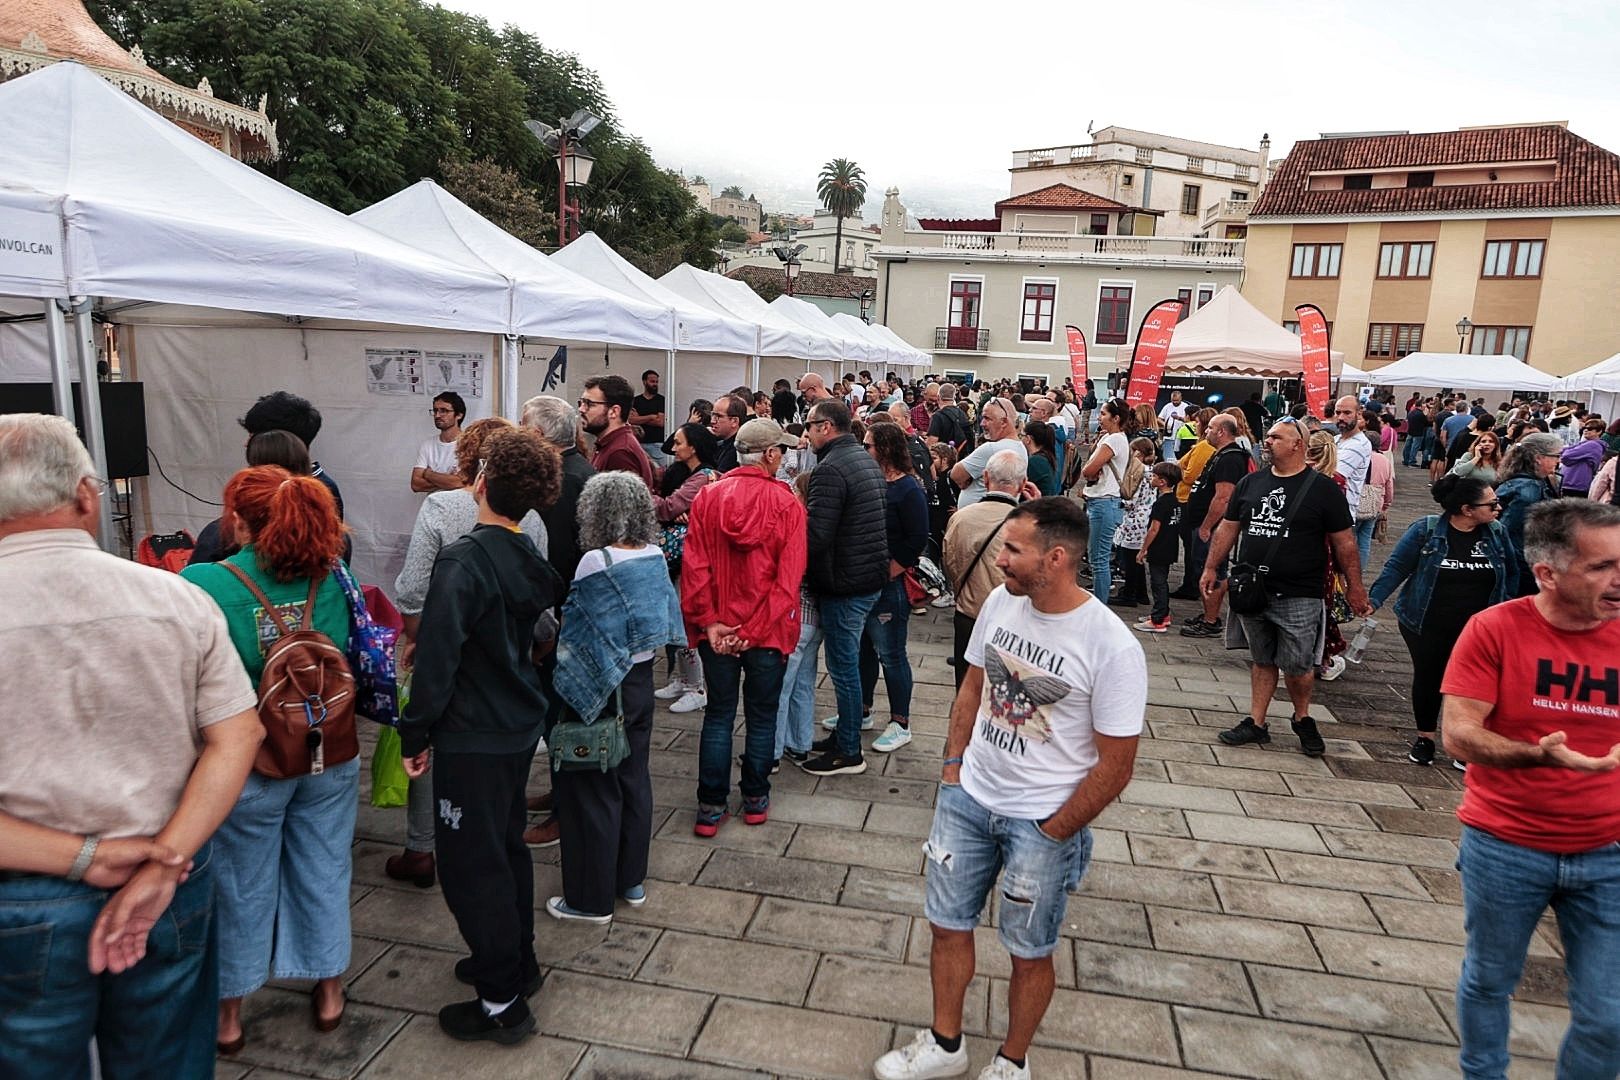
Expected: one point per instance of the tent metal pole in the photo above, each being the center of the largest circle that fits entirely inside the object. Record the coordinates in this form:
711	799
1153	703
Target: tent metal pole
511	359
669	391
56	339
754	382
84	341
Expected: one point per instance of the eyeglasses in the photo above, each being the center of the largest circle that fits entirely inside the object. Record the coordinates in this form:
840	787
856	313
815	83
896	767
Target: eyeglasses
819	423
101	485
1494	504
588	402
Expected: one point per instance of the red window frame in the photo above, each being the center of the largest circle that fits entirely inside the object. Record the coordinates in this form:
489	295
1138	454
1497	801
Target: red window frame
1114	314
1040	303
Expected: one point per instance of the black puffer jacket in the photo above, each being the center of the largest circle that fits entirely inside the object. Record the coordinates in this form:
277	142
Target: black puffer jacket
849	549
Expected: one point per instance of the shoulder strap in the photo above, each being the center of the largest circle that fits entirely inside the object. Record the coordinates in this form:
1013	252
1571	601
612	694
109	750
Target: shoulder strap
607	554
980	555
282	623
1311	476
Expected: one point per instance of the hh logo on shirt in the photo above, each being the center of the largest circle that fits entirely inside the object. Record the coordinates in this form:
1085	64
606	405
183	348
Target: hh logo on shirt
1571	687
1018	691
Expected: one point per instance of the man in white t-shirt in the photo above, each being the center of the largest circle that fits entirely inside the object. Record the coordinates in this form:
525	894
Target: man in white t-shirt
1355	458
436	461
1043	737
1000	433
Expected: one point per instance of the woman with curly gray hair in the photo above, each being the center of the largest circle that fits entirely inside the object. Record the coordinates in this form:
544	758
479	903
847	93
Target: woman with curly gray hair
1524	480
621	610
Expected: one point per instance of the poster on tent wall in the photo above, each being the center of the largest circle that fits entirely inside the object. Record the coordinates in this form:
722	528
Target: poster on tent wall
462	372
393	372
1152	346
1313	343
1077	358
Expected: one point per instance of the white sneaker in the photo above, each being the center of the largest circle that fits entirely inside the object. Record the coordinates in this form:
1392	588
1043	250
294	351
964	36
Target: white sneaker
831	723
1333	668
893	738
921	1058
691	701
1002	1069
944	600
669	693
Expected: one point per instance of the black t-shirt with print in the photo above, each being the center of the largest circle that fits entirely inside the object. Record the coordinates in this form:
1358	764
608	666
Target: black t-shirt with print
1167	544
1463	587
1262	500
1229	465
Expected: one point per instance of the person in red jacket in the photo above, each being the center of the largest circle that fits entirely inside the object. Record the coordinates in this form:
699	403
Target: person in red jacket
740	575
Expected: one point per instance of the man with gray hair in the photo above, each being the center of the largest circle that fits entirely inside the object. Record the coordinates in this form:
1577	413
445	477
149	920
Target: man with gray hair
950	424
1000	422
129	727
1532	703
972	541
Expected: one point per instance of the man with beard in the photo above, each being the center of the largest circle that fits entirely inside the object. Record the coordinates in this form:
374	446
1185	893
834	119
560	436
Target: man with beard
647	417
1355	458
436	462
604	411
1043	736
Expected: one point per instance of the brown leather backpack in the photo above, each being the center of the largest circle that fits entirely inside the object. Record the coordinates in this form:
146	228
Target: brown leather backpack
306	695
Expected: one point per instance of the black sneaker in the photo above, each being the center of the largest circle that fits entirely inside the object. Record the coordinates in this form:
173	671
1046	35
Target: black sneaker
531	985
1245	733
798	757
1202	629
1422	752
1310	740
1192	620
467	1021
825	745
834	763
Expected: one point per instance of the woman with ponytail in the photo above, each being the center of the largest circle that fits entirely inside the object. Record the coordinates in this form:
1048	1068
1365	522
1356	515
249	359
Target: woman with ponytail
282	856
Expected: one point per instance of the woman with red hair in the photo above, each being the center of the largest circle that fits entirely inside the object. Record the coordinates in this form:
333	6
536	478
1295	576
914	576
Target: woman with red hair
282	856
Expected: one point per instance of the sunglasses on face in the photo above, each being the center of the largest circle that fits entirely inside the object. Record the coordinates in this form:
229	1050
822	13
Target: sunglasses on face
1494	504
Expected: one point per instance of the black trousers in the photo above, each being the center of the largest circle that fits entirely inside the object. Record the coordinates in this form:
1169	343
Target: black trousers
1133	573
1159	589
484	866
962	630
606	817
1431	651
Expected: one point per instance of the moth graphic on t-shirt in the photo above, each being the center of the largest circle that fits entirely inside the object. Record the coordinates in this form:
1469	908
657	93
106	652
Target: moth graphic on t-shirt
1019	695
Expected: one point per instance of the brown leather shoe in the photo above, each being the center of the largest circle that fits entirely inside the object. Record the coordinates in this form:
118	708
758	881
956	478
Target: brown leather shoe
540	804
416	867
545	834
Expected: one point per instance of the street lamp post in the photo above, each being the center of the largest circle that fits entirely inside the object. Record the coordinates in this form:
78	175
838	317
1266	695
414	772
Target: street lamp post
1463	326
792	269
573	164
789	255
866	305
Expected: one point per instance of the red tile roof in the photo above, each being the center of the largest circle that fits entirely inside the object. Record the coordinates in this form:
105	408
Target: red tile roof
808	283
1586	174
1060	197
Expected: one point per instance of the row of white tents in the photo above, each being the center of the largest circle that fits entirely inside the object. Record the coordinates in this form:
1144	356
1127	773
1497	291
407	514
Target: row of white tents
222	285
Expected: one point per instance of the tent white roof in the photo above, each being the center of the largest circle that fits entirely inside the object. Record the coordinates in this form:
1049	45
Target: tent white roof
1230	334
920	358
1352	374
1461	371
1602	376
778	335
116	202
891	356
811	317
696	327
548	300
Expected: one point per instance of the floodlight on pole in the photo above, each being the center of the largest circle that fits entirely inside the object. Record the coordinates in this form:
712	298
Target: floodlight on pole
573	164
788	253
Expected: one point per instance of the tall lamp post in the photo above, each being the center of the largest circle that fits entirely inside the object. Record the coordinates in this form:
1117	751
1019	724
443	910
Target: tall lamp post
573	164
789	255
866	305
1463	326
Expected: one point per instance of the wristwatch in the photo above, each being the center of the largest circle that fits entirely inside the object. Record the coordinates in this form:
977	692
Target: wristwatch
87	855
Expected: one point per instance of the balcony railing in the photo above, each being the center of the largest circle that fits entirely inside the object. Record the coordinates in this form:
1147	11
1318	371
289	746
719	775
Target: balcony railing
1226	210
1129	248
961	339
1053	155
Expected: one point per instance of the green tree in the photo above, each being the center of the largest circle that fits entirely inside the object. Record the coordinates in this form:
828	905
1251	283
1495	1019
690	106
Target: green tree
731	191
733	233
500	195
841	187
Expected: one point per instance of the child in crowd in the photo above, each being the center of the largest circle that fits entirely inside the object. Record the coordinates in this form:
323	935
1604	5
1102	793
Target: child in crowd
1161	545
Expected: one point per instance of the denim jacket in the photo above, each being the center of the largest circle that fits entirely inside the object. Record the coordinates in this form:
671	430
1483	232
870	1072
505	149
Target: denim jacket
610	616
1416	561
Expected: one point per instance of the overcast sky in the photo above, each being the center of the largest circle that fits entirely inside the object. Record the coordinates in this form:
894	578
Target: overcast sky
934	98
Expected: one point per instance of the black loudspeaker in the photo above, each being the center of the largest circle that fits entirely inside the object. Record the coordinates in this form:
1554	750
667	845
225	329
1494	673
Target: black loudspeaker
123	419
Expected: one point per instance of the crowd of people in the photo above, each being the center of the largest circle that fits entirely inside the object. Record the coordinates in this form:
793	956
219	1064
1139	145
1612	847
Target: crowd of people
555	559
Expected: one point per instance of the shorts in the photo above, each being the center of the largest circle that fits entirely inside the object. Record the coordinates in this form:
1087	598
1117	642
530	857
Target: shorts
1200	555
968	846
1287	635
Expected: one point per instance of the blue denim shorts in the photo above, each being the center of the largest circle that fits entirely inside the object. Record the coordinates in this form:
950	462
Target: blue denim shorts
968	846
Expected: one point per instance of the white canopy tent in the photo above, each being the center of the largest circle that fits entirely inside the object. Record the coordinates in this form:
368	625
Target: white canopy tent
713	352
919	357
852	350
1601	381
897	359
1462	371
787	349
1231	335
223	285
1349	373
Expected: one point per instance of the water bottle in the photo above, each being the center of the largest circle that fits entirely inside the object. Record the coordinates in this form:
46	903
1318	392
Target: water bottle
1359	643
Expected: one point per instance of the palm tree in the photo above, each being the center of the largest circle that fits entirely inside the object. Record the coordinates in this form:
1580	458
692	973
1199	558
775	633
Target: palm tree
842	191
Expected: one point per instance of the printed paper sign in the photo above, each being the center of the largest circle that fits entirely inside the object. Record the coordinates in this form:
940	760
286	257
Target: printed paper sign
394	372
30	244
462	372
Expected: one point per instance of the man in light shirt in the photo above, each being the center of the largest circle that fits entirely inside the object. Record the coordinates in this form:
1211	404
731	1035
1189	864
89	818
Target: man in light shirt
436	461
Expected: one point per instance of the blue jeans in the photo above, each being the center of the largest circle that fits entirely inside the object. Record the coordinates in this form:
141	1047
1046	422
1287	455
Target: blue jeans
968	846
759	673
1104	514
795	714
159	1018
1410	450
1506	888
1364	531
284	863
843	621
886	629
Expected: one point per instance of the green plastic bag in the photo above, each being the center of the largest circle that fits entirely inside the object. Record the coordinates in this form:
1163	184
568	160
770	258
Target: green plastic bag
389	784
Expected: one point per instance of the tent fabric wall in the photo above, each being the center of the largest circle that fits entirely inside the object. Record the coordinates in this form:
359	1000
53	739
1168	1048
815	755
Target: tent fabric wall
24	354
697	374
368	442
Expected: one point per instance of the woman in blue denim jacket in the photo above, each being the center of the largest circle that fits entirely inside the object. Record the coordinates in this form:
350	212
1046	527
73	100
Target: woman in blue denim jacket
1454	565
1525	480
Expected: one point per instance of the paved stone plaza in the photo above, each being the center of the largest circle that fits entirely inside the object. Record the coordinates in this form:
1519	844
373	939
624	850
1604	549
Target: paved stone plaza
1248	912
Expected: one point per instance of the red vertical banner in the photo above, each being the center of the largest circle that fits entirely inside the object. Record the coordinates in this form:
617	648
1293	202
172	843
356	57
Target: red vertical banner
1152	346
1313	343
1077	358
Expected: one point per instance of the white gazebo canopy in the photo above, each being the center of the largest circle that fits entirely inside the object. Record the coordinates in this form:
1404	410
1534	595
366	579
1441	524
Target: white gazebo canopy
1462	371
1231	335
918	357
779	335
886	354
1603	376
813	318
1352	374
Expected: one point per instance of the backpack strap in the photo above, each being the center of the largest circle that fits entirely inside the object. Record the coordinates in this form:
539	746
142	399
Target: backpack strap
282	622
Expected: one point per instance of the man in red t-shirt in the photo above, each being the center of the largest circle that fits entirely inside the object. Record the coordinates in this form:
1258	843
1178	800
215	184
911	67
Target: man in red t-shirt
1532	703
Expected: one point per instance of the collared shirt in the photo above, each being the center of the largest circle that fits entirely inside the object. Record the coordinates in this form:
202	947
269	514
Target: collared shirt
111	672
